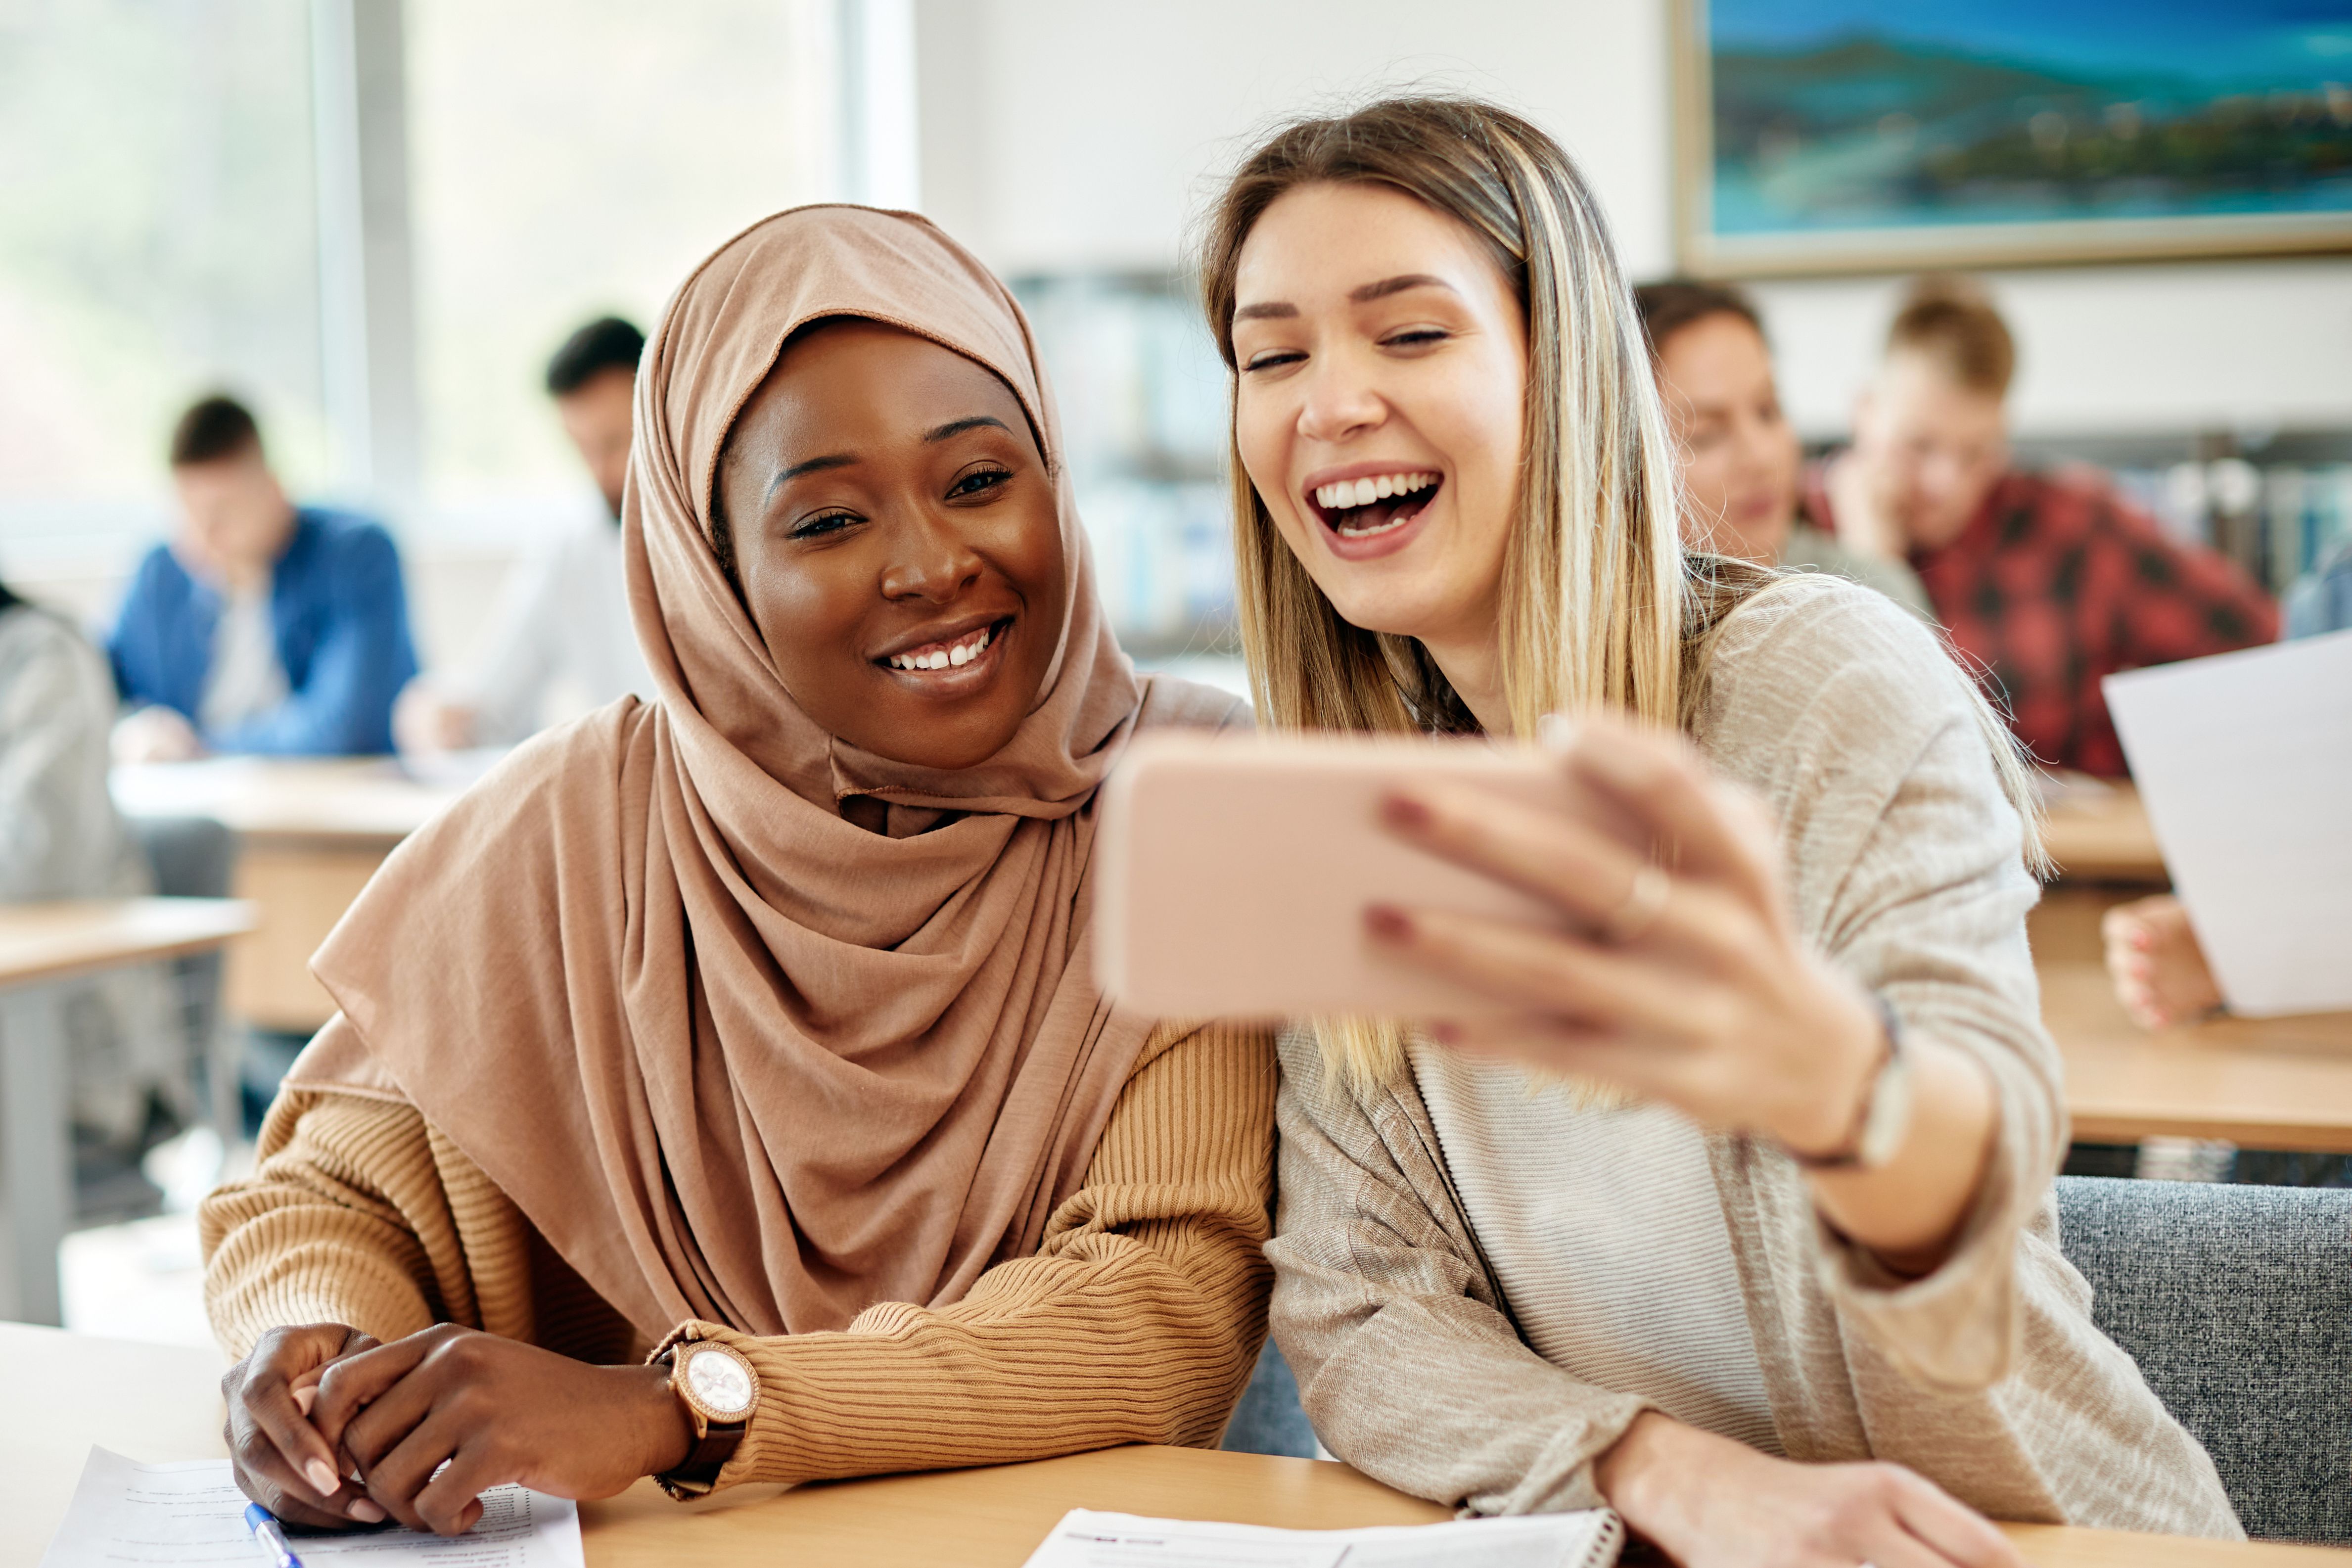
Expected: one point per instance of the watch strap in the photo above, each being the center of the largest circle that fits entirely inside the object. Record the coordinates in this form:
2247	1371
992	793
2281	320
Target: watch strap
714	1445
1885	1112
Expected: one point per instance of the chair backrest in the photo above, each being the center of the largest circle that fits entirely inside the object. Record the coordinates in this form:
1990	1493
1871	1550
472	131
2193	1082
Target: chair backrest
2237	1303
193	855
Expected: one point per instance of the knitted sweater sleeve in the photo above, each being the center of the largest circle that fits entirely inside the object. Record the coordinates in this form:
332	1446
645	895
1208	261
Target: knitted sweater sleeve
1138	1319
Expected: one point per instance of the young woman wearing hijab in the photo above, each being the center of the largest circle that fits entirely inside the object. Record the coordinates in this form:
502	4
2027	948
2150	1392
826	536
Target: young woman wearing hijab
1742	1222
752	1028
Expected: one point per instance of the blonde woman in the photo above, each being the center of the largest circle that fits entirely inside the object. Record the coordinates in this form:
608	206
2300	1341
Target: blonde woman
1744	1227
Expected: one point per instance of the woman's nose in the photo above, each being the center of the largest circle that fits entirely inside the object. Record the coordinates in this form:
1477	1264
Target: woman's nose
1341	402
930	560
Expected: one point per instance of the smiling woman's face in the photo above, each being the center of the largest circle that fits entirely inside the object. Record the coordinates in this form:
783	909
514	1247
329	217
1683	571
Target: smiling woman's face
896	543
1381	360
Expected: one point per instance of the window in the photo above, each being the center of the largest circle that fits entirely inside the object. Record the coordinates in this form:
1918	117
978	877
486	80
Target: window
573	157
159	239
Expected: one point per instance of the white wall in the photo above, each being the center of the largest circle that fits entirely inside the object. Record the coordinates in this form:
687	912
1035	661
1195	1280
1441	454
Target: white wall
1061	134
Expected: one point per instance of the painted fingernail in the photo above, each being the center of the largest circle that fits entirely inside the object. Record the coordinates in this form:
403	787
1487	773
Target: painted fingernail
1556	732
323	1476
366	1512
306	1397
1387	922
1403	811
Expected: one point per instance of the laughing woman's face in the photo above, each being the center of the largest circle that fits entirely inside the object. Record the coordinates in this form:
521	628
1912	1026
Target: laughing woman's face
1382	374
895	539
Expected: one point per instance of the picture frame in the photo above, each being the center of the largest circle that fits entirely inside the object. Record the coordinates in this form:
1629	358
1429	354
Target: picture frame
1830	136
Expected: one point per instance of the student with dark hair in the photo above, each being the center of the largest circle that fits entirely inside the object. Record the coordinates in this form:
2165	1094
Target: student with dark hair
261	627
2049	583
561	637
1742	467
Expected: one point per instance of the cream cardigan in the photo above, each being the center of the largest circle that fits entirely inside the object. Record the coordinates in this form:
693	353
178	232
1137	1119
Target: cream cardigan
1986	1376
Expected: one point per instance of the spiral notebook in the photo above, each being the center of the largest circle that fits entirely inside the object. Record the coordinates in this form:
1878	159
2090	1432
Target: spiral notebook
1086	1539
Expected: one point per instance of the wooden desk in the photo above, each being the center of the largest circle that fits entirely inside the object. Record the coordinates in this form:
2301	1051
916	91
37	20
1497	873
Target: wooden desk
43	948
311	832
157	1403
2265	1083
2101	833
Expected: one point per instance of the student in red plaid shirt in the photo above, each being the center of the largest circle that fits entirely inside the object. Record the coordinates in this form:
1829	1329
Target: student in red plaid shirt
2047	582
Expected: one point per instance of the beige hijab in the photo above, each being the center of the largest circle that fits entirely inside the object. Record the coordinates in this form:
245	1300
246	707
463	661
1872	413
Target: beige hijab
734	1057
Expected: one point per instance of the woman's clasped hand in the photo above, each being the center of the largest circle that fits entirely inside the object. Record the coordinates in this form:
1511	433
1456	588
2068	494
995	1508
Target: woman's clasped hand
327	1427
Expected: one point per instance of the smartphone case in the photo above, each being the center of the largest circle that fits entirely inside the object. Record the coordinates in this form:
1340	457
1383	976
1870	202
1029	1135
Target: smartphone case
1234	873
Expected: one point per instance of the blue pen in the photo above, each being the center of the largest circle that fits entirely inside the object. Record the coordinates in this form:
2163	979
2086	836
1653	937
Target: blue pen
258	1520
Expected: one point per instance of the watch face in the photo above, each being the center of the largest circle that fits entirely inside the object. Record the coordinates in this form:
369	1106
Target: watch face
720	1383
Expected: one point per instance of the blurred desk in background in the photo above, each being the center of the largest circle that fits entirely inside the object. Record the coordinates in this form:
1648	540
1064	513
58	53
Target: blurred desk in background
2262	1083
311	832
2098	831
43	948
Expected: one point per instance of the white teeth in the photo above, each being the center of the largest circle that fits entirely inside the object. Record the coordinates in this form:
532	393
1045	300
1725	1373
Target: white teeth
1342	494
946	657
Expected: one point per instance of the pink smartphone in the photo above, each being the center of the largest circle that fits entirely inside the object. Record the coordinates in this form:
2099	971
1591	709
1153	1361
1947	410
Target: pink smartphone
1234	873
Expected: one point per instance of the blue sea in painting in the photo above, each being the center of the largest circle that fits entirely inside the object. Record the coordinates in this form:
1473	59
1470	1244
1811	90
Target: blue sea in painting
1843	114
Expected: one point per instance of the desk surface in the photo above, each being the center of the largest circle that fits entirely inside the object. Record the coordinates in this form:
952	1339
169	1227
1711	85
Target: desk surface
153	1402
52	941
362	800
2099	831
2266	1083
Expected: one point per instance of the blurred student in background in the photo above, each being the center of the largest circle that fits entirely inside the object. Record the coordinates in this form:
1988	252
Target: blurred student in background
1741	464
2322	600
2153	955
563	626
261	627
61	838
2050	582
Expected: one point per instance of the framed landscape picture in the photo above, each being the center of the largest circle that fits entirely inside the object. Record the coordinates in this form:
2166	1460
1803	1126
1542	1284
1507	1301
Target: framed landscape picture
1850	135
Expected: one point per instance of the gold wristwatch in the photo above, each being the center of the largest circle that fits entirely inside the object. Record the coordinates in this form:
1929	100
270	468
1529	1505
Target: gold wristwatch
719	1390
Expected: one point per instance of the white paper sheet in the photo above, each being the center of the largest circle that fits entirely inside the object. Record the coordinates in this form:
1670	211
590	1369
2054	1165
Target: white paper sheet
2245	760
1086	1539
126	1515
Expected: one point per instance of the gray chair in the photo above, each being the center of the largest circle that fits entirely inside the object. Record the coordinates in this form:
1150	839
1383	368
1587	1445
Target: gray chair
2236	1301
194	858
1269	1419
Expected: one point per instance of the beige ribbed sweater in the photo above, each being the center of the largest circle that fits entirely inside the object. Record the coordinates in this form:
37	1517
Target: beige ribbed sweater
1137	1321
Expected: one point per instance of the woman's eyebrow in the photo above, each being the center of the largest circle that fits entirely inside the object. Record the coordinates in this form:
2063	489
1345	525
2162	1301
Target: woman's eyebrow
958	427
1397	285
814	464
1273	310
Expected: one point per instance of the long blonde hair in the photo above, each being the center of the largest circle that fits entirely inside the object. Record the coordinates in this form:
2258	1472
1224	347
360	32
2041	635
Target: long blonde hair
1601	605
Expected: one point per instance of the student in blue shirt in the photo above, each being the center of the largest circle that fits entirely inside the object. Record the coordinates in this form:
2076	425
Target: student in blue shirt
262	627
